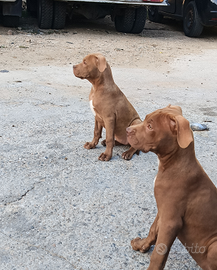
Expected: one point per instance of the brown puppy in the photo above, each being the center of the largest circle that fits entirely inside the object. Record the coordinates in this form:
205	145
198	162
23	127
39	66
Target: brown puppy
186	197
111	108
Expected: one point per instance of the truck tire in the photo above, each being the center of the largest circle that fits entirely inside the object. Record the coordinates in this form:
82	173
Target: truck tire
11	21
59	15
45	14
140	19
191	21
125	20
32	7
154	15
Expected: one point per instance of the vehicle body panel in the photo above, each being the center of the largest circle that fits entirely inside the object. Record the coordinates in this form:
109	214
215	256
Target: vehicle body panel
207	10
171	7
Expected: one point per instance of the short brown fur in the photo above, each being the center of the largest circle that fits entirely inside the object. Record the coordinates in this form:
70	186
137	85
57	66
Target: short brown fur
112	109
186	197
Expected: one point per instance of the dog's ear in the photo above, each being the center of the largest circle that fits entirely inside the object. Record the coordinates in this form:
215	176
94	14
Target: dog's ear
176	109
184	132
100	62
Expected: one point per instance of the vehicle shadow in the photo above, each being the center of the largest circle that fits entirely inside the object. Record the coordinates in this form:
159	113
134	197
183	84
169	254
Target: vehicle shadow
173	27
80	22
151	29
176	27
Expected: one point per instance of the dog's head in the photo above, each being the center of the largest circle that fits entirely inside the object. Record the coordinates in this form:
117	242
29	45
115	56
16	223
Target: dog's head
161	132
91	67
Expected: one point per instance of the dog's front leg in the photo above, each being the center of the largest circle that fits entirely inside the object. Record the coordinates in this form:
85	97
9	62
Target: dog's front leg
168	230
127	155
110	141
143	245
97	135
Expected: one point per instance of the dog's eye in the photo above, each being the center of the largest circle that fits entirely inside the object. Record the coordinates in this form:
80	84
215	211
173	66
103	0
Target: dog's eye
149	126
84	62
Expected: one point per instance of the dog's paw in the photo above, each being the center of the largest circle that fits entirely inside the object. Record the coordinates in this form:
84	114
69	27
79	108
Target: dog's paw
89	145
104	157
135	243
138	244
103	142
129	153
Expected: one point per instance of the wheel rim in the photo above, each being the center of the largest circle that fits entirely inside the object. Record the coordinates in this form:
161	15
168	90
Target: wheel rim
152	11
189	18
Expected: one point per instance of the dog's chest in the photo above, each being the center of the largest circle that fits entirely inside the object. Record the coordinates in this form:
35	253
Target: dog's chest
158	161
95	113
92	108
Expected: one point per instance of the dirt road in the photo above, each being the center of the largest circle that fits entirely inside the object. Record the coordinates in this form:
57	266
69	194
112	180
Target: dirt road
61	208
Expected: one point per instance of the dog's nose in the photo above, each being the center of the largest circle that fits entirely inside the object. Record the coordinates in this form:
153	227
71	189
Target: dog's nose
130	131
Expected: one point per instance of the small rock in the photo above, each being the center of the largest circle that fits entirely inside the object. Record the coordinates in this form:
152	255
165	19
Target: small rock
198	127
23	47
10	32
4	71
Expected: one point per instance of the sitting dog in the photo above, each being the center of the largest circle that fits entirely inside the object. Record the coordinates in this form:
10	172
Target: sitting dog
109	105
186	198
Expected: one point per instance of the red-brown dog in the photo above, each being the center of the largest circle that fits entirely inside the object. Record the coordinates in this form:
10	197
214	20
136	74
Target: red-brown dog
186	197
111	108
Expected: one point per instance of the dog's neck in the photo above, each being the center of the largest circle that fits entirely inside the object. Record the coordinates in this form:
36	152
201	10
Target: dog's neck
104	78
177	155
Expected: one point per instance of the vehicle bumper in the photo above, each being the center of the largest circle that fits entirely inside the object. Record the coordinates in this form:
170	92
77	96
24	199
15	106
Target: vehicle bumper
12	8
208	13
213	18
126	2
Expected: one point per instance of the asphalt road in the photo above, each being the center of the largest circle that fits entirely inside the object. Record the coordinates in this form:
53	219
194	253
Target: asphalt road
61	208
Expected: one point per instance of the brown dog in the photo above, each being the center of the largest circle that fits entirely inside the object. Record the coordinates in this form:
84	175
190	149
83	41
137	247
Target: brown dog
111	108
186	197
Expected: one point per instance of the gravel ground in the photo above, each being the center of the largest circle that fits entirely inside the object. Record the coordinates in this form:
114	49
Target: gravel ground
61	208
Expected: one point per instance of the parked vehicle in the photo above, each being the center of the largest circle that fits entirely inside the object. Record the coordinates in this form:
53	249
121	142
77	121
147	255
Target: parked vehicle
11	11
129	15
195	14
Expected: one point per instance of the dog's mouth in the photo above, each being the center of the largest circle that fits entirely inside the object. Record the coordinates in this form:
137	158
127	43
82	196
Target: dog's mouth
133	141
76	72
78	75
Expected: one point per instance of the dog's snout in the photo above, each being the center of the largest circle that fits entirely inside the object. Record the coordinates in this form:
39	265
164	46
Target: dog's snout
130	130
